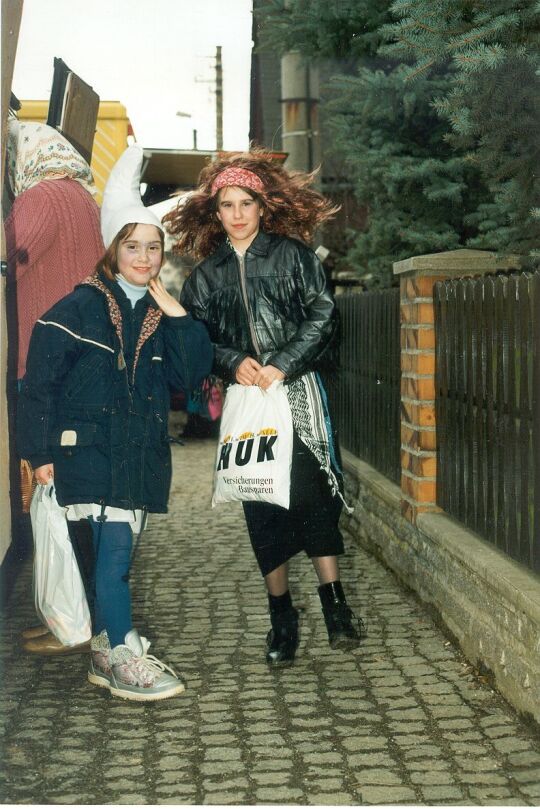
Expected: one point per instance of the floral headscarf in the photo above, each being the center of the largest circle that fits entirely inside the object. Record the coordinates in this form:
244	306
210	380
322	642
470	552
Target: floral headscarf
37	152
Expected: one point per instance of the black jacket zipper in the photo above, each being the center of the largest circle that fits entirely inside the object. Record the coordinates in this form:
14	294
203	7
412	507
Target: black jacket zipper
243	288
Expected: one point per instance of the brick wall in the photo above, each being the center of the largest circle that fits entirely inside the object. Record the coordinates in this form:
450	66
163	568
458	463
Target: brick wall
418	440
418	276
490	603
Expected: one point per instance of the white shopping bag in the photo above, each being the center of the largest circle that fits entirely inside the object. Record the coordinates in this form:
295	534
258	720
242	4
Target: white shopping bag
58	589
254	453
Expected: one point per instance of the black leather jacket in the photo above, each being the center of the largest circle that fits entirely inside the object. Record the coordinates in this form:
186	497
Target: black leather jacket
276	307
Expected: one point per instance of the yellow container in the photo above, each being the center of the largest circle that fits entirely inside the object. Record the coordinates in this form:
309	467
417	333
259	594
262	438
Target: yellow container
113	128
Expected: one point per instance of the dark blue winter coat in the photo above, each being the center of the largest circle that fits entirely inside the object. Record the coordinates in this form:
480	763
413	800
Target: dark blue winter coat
95	397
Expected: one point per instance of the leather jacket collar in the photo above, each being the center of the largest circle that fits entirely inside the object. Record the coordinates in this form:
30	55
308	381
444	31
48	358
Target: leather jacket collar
259	247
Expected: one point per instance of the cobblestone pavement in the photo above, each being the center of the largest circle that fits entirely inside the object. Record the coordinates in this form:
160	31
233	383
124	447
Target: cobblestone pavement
401	720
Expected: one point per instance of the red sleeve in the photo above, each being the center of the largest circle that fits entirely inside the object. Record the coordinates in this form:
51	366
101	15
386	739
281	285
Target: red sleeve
30	229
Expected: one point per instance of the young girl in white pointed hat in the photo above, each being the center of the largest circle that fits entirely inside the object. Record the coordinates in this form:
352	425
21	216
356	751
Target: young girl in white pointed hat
93	415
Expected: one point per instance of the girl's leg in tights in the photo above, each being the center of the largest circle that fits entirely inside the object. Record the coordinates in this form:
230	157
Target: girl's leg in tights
112	548
277	582
327	568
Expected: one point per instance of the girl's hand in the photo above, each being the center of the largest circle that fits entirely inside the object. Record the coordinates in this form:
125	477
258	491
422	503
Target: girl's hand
168	305
44	474
245	373
266	375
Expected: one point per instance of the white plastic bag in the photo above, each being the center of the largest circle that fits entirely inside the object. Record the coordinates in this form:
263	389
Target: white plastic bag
254	453
58	589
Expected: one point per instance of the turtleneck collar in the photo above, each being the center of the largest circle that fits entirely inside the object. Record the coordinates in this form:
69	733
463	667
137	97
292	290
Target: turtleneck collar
133	293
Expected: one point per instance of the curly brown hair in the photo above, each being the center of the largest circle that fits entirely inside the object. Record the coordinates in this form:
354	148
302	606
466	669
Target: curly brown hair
290	206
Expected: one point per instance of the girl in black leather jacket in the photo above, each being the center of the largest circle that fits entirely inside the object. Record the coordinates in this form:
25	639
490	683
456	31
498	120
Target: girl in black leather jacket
264	299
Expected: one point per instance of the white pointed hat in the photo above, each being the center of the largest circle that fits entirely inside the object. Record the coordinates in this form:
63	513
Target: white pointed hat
122	202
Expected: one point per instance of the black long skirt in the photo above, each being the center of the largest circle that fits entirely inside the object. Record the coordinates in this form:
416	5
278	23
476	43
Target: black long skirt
310	524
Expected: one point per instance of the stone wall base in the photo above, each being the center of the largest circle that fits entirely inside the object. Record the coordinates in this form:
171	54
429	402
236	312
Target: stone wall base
489	603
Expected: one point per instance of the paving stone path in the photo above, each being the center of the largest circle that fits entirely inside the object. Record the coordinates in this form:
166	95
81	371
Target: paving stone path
401	720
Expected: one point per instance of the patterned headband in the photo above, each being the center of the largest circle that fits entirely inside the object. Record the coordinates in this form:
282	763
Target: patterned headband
238	177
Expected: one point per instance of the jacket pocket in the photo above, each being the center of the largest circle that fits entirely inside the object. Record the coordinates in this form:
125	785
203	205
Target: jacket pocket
71	435
82	461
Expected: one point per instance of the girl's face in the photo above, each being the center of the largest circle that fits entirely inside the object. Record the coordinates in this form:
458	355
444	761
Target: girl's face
140	255
240	216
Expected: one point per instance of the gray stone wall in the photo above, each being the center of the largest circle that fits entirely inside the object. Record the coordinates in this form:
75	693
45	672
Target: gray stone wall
490	603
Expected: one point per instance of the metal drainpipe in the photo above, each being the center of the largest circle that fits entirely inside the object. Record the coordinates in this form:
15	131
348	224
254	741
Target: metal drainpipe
219	100
300	97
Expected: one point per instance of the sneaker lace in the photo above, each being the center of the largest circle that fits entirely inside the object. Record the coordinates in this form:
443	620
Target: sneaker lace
147	663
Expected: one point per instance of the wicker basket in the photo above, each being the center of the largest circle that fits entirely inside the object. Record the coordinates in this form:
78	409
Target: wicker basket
28	485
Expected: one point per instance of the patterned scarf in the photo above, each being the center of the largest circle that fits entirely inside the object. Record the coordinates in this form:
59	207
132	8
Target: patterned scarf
151	320
311	420
37	152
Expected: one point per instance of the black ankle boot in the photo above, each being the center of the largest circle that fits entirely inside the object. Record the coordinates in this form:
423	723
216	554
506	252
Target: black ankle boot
345	630
282	640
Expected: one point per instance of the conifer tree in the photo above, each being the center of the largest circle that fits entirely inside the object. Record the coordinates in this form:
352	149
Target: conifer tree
335	29
438	127
417	189
492	104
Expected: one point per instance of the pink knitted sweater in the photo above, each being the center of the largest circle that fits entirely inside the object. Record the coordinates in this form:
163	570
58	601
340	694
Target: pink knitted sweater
53	242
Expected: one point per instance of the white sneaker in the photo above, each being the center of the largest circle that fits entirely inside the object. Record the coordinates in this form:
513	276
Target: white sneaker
99	670
139	676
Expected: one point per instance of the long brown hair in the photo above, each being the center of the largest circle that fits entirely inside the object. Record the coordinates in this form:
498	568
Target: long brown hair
108	264
290	206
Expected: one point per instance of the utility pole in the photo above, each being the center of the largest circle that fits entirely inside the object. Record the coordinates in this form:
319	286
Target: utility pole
219	100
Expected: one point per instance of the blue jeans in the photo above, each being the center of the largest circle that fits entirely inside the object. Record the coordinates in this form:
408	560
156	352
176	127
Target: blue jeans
112	550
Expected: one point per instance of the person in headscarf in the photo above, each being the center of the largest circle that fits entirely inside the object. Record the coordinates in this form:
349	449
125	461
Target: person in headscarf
93	415
53	241
263	295
52	232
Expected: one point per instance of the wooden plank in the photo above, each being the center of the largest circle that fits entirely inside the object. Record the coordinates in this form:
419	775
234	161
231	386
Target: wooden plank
11	22
499	453
491	414
525	349
535	549
479	383
469	504
79	116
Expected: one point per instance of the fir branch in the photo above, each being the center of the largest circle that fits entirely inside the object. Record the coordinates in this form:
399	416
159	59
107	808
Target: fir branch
420	70
414	46
401	7
484	33
483	57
